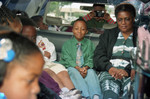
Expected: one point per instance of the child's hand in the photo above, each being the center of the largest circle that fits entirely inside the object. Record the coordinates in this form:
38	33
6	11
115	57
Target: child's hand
77	67
106	16
47	54
83	71
83	74
91	14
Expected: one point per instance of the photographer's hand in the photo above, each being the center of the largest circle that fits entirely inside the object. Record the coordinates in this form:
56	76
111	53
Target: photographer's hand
106	16
91	14
108	19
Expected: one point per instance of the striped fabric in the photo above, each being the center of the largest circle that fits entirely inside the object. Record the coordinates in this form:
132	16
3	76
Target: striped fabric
120	59
111	21
122	50
109	83
87	18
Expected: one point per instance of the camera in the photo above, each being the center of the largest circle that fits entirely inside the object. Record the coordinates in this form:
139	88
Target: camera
99	13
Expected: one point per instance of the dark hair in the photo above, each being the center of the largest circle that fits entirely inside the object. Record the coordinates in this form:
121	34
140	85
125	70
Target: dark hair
101	5
125	7
27	21
37	19
5	15
22	47
20	13
80	20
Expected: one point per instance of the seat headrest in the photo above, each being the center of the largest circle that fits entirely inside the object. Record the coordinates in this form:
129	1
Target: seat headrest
53	20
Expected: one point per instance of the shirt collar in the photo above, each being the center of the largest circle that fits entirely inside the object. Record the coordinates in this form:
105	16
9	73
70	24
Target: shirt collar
75	41
120	34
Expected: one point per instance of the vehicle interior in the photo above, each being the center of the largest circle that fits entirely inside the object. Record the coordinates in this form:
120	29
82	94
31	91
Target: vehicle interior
59	15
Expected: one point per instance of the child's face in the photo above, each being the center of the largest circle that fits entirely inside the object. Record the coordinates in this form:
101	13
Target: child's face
43	26
79	30
21	81
29	32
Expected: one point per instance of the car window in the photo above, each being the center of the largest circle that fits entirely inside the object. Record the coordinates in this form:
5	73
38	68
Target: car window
63	13
59	14
69	11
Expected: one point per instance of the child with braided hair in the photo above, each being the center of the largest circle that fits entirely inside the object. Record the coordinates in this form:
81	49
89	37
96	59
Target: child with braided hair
20	67
7	18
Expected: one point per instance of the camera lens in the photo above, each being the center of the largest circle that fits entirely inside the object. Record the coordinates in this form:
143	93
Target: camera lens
99	13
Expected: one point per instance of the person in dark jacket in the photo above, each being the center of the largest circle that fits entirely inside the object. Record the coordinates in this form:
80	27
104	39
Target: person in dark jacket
112	55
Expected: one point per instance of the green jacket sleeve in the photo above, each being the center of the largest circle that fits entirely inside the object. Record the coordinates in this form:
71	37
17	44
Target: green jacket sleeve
66	59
